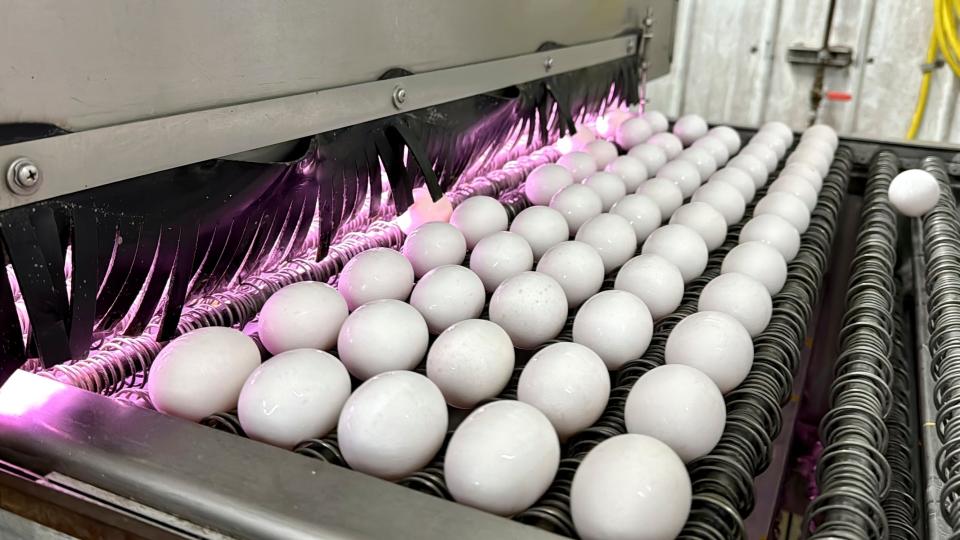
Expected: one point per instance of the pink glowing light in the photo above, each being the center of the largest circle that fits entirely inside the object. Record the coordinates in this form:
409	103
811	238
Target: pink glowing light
602	126
25	392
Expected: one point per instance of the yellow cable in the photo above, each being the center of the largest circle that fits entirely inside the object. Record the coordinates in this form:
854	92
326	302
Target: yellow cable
943	39
924	91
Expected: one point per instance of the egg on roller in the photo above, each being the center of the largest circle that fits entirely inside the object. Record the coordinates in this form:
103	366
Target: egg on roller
609	123
301	315
577	267
723	197
774	231
670	143
914	192
500	256
759	261
447	295
822	131
653	157
680	406
580	164
811	157
542	227
701	159
202	372
614	324
608	186
689	128
682	173
738	179
740	296
380	336
763	153
294	396
577	204
704	220
752	166
424	210
663	192
569	384
795	185
680	245
657	120
392	425
471	361
642	212
576	141
630	169
432	245
630	486
375	274
603	152
633	132
715	147
545	181
479	217
613	238
785	205
531	307
714	343
781	130
772	141
502	458
655	281
805	171
728	136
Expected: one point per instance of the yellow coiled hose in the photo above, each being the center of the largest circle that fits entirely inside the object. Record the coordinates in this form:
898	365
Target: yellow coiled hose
943	40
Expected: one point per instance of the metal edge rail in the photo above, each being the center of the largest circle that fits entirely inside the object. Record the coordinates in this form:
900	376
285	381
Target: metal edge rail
88	159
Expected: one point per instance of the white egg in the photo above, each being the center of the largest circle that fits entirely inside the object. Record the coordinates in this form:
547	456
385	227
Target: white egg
774	231
655	281
447	295
392	425
728	136
307	314
294	396
759	261
914	192
752	166
613	238
822	131
740	296
704	220
818	146
657	120
670	143
805	171
502	458
542	227
569	384
577	204
714	343
663	192
781	130
424	210
630	169
580	164
545	181
630	486
689	128
763	153
811	157
682	247
531	307
642	212
772	141
603	152
577	141
500	256
577	267
723	197
679	406
380	336
738	179
608	186
614	324
715	147
653	157
432	245
609	123
479	217
701	159
223	356
633	132
471	361
787	206
797	186
682	173
375	274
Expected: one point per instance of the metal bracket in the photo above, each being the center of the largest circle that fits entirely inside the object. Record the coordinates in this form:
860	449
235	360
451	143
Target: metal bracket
836	56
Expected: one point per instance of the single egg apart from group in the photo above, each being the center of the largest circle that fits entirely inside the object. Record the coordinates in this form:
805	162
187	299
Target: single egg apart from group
545	181
682	247
307	314
432	245
381	336
500	256
569	384
714	343
542	227
294	396
447	295
375	274
479	217
741	297
655	281
392	425
616	325
502	458
679	406
577	204
914	192
576	267
531	307
471	361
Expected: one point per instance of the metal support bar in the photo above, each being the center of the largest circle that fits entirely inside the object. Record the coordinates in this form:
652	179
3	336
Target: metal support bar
96	157
835	56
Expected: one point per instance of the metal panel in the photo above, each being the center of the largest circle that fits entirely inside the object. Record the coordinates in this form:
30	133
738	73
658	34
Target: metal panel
86	64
